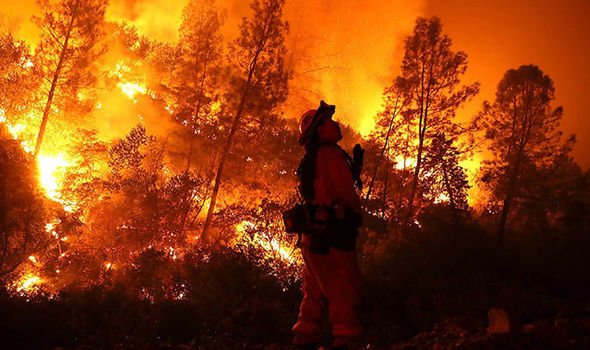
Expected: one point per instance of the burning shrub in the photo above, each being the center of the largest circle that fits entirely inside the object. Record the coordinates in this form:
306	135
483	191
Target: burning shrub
259	233
134	222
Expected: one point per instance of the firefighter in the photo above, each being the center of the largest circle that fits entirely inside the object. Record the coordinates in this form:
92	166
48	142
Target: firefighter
331	276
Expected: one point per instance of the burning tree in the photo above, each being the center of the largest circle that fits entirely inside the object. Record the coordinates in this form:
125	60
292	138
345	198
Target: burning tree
260	81
522	128
71	30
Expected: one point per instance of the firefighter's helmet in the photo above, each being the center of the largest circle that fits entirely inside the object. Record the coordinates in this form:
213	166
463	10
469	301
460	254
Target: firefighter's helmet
311	119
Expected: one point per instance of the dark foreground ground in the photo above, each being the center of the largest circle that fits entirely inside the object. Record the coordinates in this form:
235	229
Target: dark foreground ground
111	320
430	293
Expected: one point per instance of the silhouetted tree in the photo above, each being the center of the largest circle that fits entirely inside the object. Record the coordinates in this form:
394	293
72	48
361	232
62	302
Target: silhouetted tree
522	128
70	30
22	213
431	70
446	176
389	128
258	58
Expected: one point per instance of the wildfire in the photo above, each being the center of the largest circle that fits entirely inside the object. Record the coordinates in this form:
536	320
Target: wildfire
51	167
28	284
16	130
28	64
216	107
131	89
51	171
475	195
442	198
271	246
403	163
133	82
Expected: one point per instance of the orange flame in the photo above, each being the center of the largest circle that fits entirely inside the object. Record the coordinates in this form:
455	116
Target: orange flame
51	171
271	246
131	89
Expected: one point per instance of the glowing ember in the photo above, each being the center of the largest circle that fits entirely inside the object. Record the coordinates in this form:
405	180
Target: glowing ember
276	246
172	253
28	283
216	107
119	70
49	227
442	198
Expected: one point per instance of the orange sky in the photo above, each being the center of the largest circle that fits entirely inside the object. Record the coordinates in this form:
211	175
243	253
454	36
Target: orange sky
502	34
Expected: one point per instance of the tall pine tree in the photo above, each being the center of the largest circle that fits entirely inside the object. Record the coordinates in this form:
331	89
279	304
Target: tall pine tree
522	129
70	30
260	82
432	72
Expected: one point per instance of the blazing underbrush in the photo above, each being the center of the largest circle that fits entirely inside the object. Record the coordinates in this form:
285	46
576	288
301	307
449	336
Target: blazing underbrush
125	267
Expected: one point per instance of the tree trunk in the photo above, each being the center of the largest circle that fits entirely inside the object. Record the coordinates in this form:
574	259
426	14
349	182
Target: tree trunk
236	122
224	155
505	209
54	81
226	148
384	197
421	134
415	178
503	218
234	128
450	192
508	200
190	151
380	159
196	115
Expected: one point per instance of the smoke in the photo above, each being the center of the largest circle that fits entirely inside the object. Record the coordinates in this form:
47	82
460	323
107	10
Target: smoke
157	19
15	17
345	52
